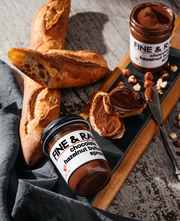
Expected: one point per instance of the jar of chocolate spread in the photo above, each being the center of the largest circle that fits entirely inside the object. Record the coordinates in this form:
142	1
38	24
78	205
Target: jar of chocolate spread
72	148
151	26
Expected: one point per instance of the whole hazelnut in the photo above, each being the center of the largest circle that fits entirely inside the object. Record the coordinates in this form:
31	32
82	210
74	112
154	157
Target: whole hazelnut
167	64
132	79
120	84
178	117
178	124
178	153
149	94
176	143
148	76
165	74
163	71
148	83
126	73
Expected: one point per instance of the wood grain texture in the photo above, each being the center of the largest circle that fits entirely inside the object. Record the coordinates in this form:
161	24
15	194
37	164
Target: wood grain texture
151	191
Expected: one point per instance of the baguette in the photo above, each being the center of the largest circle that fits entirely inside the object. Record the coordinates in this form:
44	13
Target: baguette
49	27
104	124
60	68
123	101
42	105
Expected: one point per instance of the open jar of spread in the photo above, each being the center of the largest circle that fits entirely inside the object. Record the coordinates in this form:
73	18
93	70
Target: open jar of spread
72	148
151	26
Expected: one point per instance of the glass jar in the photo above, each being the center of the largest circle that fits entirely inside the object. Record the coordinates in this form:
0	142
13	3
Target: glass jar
72	148
151	26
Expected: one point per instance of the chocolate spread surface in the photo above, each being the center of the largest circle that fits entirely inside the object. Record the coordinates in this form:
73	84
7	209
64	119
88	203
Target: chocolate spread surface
107	125
124	99
153	16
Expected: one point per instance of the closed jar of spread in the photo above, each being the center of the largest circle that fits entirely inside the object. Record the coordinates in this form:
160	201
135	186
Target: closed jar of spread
151	26
72	148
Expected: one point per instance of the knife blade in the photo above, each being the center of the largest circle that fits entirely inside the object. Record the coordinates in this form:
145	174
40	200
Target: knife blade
156	111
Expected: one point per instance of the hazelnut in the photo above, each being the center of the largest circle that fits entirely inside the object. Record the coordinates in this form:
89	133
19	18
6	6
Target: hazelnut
149	94
160	91
148	83
173	136
178	153
176	143
163	84
178	117
178	124
126	73
132	79
167	64
157	86
120	84
163	71
137	87
159	81
148	76
165	74
173	68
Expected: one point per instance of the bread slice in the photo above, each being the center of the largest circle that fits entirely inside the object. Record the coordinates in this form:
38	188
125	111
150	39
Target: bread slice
124	102
104	124
60	68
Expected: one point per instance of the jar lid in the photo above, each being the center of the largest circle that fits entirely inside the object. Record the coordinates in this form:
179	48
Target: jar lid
56	124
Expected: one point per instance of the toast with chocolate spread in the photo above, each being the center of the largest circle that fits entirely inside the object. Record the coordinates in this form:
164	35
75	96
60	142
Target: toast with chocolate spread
104	124
124	102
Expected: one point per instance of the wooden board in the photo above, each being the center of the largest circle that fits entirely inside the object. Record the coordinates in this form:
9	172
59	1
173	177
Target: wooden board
106	196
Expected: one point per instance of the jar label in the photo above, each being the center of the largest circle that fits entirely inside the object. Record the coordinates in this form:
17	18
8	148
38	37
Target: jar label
73	150
149	55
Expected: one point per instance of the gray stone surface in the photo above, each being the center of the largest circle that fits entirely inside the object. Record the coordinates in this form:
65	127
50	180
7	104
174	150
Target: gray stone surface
151	191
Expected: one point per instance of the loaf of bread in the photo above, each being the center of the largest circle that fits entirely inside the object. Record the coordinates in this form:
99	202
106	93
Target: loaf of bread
123	101
60	68
104	124
48	66
42	105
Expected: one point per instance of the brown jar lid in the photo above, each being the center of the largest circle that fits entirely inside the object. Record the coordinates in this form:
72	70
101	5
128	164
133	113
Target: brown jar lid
50	130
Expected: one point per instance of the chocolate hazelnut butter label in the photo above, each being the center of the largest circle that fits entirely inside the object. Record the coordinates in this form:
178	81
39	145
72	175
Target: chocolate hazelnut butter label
73	150
149	55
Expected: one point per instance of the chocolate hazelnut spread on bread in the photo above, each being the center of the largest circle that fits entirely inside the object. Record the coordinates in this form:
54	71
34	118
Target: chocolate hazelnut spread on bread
104	124
124	101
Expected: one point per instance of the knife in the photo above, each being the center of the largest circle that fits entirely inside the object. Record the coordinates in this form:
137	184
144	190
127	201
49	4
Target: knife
155	108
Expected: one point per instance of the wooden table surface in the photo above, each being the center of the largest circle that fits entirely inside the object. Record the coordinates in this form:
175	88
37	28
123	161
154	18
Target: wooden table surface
151	191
